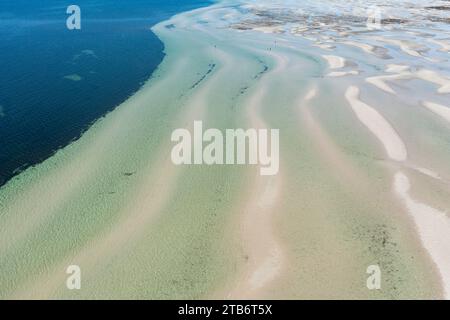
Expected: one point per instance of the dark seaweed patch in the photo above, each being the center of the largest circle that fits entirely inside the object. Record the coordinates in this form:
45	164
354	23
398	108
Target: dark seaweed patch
263	71
244	88
385	252
211	68
258	75
444	8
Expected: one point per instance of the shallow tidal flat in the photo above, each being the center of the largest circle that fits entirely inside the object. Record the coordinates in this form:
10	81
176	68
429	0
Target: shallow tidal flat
363	180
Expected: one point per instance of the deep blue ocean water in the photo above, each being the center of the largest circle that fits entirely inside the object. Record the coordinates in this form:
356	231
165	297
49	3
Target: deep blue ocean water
55	82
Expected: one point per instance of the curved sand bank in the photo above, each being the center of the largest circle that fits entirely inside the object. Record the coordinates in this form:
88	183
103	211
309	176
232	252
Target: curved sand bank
433	226
375	122
261	248
141	227
423	74
334	62
438	109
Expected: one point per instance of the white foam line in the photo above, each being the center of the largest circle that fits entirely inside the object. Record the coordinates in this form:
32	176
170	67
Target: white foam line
378	125
433	227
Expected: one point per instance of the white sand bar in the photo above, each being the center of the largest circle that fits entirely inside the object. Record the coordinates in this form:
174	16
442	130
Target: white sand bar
335	62
363	46
438	109
436	78
423	74
311	94
428	172
378	125
406	46
433	227
397	68
342	73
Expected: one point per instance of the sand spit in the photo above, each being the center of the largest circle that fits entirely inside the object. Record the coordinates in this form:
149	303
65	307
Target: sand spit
336	74
378	125
380	81
163	231
444	44
436	78
396	68
433	227
363	46
331	152
311	94
428	172
408	47
438	109
334	62
149	202
152	197
269	29
424	74
263	252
